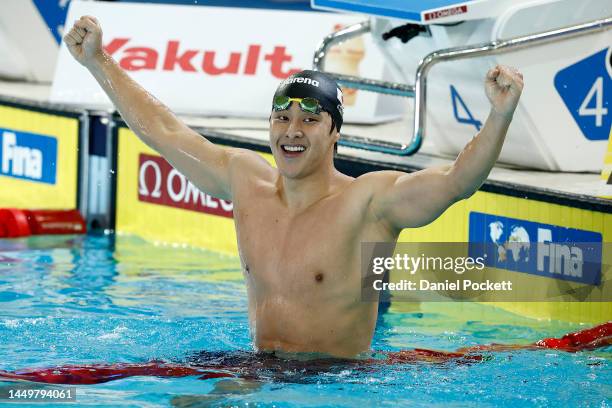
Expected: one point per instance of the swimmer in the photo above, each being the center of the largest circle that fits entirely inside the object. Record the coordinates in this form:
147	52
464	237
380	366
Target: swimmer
300	226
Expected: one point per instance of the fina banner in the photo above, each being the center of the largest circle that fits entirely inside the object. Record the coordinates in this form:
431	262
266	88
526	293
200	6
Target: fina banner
218	61
38	159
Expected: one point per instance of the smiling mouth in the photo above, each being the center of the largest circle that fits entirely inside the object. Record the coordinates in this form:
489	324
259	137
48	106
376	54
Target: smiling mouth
293	150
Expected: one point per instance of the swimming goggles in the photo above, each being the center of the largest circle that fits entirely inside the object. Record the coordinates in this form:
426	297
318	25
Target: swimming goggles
310	105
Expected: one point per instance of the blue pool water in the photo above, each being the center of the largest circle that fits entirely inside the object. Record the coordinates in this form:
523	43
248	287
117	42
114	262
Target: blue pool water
75	300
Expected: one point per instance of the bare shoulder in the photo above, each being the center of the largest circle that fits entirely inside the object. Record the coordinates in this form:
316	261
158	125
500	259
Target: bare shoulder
376	181
367	187
364	192
248	169
246	163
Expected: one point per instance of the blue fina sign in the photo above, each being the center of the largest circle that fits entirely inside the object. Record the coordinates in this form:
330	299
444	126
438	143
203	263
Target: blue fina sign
28	156
535	248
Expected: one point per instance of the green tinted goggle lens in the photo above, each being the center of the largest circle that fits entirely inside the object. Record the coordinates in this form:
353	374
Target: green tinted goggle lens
310	105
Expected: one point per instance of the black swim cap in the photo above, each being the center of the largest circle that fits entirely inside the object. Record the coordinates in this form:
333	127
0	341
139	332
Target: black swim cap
318	85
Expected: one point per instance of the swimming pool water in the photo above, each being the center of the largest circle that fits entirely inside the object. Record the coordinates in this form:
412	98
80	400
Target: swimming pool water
75	300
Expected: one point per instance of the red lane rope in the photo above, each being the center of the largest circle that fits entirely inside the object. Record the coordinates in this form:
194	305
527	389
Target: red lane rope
588	339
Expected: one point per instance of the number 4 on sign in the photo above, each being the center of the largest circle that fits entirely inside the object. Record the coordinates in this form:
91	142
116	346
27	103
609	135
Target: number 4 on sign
598	111
468	119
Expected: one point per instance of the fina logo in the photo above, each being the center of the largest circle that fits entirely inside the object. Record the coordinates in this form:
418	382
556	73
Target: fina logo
23	156
562	259
536	248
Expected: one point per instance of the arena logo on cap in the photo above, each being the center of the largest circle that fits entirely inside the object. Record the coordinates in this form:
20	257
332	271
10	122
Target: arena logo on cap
28	156
536	248
160	183
300	80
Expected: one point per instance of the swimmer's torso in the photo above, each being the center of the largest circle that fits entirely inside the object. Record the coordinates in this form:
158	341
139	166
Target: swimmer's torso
303	270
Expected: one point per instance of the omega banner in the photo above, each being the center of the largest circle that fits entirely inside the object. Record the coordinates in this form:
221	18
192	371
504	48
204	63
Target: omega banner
156	202
160	183
220	61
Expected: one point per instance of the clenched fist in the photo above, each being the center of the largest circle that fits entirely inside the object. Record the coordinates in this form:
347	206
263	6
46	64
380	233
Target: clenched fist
503	86
84	40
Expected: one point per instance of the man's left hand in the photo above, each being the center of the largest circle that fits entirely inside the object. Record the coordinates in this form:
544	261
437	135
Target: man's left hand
503	86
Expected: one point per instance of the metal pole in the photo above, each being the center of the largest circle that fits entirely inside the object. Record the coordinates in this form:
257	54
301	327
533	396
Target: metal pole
419	90
83	199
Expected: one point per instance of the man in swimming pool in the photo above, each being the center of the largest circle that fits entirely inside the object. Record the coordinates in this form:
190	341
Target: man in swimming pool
300	225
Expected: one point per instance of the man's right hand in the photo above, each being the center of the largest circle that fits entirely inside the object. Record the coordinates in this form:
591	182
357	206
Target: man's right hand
84	40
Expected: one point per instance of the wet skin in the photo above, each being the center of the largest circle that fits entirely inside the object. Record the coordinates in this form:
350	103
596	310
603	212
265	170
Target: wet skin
300	225
301	256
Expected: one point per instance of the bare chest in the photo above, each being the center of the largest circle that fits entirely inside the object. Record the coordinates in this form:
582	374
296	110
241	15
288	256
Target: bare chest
298	255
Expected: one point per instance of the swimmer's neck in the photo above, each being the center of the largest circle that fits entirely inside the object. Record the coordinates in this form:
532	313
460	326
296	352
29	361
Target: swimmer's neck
301	193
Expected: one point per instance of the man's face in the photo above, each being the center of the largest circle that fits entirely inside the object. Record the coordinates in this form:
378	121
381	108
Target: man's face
300	141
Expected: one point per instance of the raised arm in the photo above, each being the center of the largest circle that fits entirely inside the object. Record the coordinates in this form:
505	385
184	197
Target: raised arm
206	165
416	199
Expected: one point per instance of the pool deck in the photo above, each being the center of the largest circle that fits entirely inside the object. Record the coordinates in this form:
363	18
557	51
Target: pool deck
581	190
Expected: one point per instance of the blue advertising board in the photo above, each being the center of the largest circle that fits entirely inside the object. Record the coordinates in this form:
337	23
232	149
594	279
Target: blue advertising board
28	156
536	248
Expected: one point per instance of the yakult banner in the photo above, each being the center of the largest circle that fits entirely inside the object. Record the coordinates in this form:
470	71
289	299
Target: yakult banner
218	61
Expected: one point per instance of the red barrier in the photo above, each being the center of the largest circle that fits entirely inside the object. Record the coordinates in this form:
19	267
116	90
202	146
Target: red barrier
252	365
13	223
20	223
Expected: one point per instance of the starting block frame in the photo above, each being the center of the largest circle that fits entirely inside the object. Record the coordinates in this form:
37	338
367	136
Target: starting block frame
418	90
